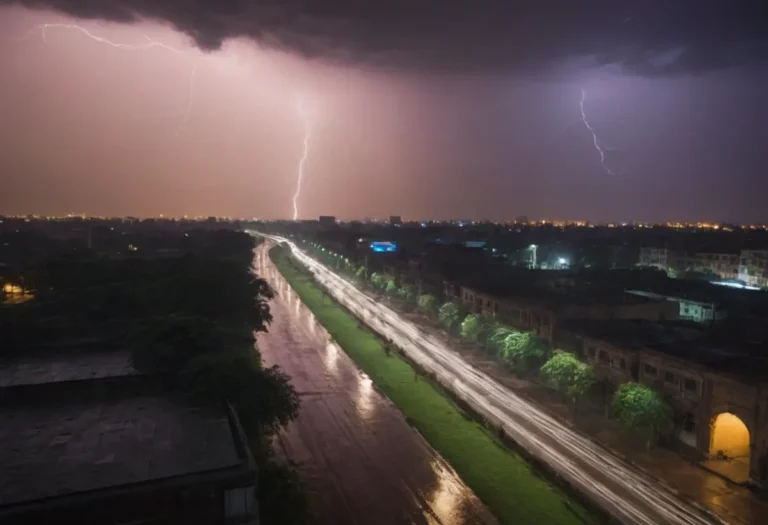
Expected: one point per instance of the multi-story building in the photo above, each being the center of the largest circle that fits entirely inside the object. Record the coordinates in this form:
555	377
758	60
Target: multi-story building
718	398
656	257
539	310
753	268
725	265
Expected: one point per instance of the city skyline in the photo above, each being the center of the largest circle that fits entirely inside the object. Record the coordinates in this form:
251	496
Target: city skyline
104	131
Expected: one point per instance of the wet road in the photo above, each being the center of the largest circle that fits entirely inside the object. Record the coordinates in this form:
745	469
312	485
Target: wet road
361	463
630	495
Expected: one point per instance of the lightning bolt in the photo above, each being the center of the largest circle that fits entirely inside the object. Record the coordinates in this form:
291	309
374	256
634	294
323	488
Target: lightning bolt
190	101
149	44
129	47
303	161
594	135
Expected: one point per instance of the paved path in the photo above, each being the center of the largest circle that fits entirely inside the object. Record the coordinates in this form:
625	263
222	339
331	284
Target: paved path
359	460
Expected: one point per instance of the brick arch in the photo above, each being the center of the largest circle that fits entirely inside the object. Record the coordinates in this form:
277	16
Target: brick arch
730	434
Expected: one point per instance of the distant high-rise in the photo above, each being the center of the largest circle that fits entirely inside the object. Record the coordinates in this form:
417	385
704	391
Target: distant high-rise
395	220
522	219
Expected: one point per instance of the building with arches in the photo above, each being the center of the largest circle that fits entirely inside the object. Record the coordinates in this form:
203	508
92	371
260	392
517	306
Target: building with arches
719	394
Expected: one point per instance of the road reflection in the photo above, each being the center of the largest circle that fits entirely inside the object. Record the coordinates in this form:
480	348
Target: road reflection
360	461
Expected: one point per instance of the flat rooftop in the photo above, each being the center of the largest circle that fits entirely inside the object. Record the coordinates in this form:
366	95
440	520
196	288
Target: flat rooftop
67	448
67	367
682	342
632	334
554	298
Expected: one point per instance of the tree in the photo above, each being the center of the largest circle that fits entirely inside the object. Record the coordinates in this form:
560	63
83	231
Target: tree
360	274
471	327
519	349
449	316
498	337
569	375
428	304
408	292
640	408
391	288
379	281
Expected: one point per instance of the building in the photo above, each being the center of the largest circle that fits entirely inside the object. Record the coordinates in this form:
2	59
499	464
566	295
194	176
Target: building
753	268
85	439
699	311
395	220
656	257
539	308
327	221
718	394
724	265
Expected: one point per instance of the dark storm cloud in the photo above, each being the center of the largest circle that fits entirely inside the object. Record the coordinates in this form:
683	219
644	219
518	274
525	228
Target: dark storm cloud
643	36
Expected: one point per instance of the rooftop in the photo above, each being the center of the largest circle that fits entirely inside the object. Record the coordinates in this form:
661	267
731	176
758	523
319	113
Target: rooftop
632	334
676	340
69	367
553	297
67	448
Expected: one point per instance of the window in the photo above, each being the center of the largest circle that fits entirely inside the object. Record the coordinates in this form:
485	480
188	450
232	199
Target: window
604	358
591	351
650	371
623	364
689	423
690	385
669	377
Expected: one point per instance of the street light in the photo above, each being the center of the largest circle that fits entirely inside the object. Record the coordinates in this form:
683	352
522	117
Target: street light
533	247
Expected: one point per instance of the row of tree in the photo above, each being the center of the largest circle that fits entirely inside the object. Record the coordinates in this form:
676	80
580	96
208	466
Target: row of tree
639	407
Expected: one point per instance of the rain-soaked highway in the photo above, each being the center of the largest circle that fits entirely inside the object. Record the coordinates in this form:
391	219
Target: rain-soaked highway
628	494
360	462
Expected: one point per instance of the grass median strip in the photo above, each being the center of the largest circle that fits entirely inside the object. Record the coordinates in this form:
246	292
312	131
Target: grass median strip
502	480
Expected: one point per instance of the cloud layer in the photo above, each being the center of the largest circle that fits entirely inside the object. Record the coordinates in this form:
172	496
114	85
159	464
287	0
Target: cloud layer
648	37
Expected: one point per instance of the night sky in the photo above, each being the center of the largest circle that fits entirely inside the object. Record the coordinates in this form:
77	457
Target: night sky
441	109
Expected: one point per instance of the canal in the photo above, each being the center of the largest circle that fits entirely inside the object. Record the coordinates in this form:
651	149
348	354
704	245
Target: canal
359	460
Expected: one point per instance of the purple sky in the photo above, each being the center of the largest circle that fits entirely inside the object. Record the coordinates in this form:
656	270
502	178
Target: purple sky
89	128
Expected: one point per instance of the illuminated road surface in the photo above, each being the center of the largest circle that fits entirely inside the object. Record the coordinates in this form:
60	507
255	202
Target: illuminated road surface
359	461
626	493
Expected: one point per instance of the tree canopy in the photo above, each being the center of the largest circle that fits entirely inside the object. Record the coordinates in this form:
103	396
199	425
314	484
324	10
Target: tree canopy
378	281
520	349
568	374
449	316
640	407
428	303
471	327
408	292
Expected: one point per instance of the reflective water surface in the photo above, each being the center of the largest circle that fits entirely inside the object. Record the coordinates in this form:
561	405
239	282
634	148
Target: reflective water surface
359	460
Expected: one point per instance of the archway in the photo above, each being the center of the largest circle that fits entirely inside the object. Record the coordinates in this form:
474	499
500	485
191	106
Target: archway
729	437
729	447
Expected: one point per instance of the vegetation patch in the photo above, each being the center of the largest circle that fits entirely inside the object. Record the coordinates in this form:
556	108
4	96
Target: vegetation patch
504	481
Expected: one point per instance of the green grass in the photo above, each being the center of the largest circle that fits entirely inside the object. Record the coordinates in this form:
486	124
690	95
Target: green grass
502	480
